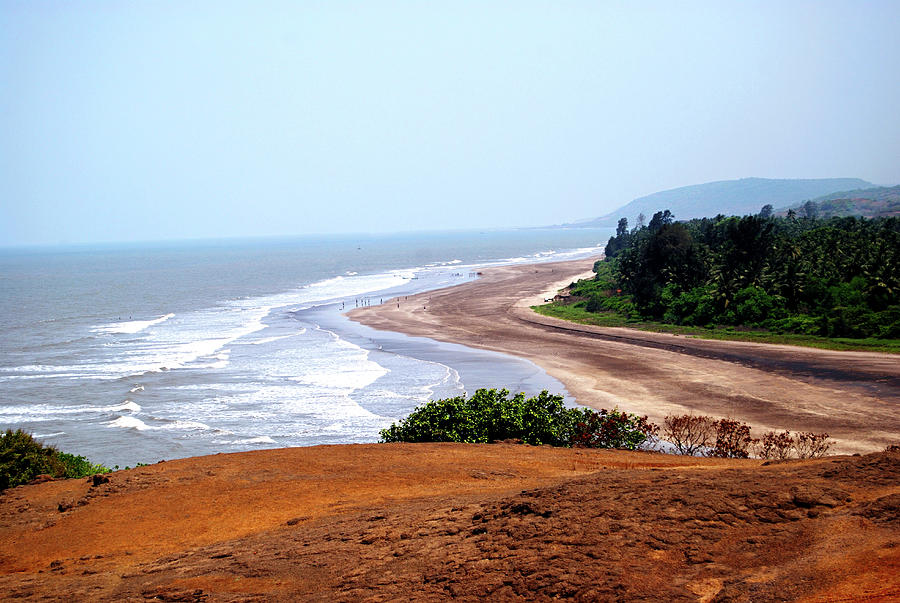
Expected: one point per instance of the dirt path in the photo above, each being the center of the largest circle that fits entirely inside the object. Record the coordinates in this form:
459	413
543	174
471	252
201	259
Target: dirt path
854	396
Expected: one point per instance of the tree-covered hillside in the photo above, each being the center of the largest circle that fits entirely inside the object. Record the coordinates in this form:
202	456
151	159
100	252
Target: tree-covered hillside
730	197
879	202
837	277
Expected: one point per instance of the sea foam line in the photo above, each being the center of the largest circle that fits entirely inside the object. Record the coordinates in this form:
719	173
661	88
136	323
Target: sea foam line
43	412
138	425
131	327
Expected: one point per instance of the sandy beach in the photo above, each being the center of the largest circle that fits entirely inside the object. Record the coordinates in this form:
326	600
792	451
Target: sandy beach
853	396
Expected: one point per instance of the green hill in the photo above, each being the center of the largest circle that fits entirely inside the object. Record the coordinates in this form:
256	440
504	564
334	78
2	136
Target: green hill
730	197
879	202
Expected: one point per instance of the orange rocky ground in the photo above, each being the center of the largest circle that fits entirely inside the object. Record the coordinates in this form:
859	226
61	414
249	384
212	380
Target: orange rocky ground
432	521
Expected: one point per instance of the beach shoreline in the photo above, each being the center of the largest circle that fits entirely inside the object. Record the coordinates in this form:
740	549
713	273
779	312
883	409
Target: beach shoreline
853	396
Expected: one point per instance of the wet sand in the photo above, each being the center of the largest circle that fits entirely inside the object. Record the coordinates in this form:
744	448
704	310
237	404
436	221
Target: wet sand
853	396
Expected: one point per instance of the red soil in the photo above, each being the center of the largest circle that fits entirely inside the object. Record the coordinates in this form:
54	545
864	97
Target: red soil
431	521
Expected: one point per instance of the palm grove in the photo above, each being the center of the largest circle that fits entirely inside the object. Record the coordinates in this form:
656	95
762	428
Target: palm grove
838	277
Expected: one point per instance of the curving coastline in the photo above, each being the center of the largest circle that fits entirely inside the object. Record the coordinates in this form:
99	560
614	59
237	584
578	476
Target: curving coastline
429	522
854	396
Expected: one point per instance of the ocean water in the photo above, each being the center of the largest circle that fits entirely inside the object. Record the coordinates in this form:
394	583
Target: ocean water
137	353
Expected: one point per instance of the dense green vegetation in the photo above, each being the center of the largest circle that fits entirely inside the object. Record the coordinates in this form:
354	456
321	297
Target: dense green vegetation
834	278
575	312
491	415
22	458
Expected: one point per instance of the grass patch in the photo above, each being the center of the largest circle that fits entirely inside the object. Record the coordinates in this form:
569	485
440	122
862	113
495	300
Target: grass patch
577	313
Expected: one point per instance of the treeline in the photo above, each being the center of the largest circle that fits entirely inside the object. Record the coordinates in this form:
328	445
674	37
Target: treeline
836	277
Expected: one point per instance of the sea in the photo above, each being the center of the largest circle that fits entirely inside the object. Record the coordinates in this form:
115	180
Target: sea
136	353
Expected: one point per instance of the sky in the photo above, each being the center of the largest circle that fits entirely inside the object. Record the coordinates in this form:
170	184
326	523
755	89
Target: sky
134	121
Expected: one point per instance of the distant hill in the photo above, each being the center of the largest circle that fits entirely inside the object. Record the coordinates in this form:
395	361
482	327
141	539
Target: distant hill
730	197
878	202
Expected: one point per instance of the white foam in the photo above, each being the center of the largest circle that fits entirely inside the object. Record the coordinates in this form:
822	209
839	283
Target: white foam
136	388
31	368
190	425
49	435
137	424
45	412
541	257
339	366
132	326
258	440
129	423
277	337
179	347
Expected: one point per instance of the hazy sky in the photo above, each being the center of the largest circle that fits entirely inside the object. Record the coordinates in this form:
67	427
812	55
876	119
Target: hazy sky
158	120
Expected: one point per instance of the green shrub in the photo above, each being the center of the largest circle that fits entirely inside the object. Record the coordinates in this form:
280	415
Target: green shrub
853	321
798	323
22	458
487	416
754	305
595	304
889	323
79	466
490	415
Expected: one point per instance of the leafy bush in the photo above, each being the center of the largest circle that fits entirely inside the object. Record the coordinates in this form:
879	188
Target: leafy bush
798	323
610	429
595	303
22	458
490	415
753	305
852	321
889	321
79	466
599	302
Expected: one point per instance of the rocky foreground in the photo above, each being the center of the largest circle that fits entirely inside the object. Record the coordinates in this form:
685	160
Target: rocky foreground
432	521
